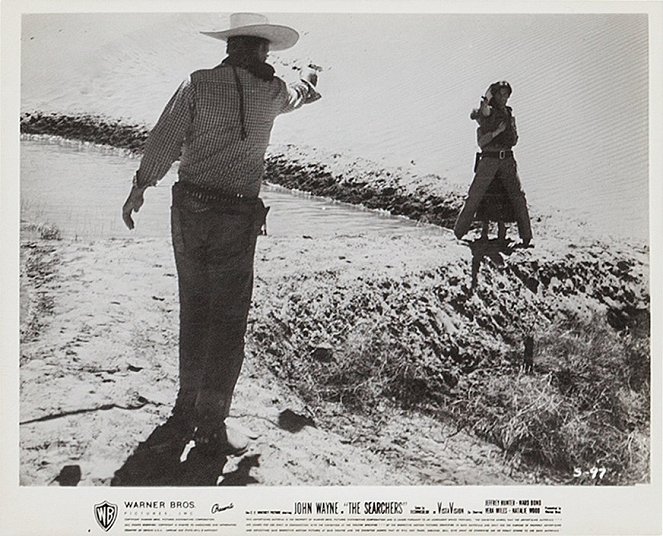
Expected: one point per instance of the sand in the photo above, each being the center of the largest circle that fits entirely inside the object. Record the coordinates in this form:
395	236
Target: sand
99	373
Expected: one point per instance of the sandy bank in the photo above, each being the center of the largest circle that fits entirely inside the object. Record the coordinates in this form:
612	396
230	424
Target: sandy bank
99	372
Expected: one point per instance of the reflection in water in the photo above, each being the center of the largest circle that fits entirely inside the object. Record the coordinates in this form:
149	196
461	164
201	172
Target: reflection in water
81	189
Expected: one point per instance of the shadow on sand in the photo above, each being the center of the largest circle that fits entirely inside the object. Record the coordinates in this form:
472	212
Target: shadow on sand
177	462
70	475
155	463
493	249
168	457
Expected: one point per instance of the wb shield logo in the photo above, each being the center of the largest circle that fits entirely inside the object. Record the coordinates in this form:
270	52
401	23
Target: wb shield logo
105	514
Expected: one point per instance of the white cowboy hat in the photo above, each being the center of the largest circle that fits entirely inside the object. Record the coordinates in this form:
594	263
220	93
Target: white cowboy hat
254	24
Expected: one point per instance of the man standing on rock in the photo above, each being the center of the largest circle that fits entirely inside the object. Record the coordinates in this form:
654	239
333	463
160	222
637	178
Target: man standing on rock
218	124
496	137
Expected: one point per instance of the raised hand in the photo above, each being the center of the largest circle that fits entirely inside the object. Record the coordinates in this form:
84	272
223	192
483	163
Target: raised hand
310	75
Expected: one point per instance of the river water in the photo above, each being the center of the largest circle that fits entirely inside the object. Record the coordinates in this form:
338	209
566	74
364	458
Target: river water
80	189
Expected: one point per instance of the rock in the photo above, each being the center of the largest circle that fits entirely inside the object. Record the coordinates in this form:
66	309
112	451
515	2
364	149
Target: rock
323	353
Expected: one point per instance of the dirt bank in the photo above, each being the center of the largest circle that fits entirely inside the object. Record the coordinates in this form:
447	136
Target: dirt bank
101	374
349	359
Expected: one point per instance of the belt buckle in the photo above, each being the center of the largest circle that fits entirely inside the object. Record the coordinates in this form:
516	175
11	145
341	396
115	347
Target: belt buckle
502	154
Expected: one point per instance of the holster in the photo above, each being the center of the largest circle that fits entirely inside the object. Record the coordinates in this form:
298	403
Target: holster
210	200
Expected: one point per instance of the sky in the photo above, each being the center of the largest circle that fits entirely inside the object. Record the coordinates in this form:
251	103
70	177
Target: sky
397	89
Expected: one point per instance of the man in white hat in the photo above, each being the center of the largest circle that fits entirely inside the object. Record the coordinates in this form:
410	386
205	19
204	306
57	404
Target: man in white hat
218	123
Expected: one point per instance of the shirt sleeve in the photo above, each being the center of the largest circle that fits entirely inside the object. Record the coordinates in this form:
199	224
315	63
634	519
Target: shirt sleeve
296	94
480	133
164	143
514	129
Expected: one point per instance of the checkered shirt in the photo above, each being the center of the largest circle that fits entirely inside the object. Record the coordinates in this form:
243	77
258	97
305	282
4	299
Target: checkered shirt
201	126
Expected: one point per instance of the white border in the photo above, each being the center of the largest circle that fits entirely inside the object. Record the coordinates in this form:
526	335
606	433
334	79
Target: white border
67	510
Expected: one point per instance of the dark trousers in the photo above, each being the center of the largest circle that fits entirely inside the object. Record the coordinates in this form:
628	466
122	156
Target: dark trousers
506	171
214	252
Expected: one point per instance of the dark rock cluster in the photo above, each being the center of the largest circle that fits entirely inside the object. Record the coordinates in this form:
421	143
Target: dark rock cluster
436	322
89	128
615	281
364	188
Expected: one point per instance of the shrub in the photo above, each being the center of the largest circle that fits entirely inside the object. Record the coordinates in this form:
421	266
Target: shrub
49	232
369	369
45	231
586	405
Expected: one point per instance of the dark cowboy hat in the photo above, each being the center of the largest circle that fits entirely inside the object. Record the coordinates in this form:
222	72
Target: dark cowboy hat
497	86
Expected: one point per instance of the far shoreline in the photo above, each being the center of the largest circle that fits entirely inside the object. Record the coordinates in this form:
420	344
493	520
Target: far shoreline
429	199
426	198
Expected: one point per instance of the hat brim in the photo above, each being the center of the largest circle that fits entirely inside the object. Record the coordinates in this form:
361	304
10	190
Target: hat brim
279	37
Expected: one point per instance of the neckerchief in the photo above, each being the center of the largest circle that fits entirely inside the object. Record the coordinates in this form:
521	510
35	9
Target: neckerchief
262	70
